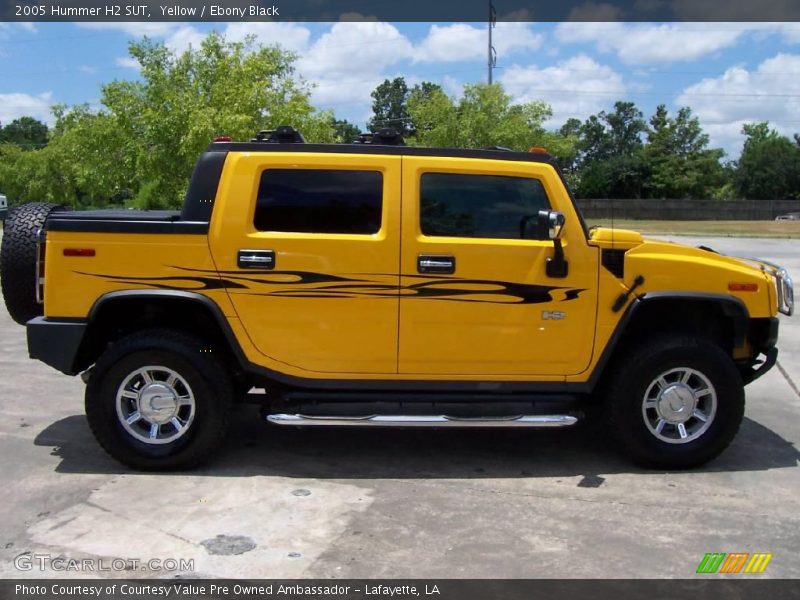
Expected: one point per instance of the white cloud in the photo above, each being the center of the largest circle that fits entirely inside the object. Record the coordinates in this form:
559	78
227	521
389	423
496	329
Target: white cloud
452	86
349	61
180	38
183	38
576	87
7	28
134	29
789	31
290	36
346	63
127	62
15	105
457	42
769	93
654	43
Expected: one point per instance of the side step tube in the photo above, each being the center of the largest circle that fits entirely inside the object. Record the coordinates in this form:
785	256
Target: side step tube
424	421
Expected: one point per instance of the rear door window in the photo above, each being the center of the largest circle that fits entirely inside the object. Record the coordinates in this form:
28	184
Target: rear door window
319	201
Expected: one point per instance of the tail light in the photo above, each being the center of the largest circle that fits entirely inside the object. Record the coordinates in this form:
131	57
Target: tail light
41	246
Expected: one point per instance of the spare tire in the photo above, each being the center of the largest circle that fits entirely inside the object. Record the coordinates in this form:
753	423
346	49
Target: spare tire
18	260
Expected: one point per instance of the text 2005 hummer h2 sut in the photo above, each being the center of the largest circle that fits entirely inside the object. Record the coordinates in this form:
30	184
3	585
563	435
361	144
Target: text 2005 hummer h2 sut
384	285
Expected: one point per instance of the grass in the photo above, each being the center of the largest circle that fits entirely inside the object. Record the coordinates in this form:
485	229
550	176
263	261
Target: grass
764	229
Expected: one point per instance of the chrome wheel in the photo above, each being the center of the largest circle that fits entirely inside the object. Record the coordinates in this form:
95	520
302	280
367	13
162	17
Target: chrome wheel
679	405
155	405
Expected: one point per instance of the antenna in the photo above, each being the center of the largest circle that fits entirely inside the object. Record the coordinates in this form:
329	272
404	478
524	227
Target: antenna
613	201
492	54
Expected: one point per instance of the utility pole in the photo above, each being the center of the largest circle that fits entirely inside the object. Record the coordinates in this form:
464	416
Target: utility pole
492	52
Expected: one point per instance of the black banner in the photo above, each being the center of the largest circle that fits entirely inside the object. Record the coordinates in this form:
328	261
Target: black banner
399	11
702	588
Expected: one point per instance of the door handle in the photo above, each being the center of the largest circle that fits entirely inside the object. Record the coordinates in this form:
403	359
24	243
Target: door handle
256	259
436	263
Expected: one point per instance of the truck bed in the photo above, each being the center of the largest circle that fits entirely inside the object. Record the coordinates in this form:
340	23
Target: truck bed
123	221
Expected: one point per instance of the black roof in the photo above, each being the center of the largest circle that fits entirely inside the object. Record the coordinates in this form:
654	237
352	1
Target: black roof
380	150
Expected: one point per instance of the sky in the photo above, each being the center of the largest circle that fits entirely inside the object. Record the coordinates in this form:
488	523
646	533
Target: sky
728	73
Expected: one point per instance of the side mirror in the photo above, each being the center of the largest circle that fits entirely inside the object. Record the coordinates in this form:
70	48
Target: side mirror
551	224
551	227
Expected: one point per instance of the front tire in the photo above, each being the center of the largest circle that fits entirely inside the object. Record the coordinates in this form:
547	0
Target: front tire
159	400
675	403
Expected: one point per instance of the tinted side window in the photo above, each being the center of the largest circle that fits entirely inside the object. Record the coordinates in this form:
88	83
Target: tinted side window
319	201
481	206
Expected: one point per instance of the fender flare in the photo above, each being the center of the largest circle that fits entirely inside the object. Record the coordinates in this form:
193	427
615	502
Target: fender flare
178	295
731	306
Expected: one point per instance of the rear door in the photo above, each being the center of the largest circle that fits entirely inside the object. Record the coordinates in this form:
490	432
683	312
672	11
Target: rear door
475	298
313	242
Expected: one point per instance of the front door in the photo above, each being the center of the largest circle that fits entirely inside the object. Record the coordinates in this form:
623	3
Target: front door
475	298
311	243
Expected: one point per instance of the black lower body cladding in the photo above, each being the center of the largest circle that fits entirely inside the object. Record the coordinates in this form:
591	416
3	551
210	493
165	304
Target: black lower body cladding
56	343
18	260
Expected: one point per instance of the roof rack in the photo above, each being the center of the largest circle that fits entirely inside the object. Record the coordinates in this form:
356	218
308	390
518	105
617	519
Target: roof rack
383	137
285	134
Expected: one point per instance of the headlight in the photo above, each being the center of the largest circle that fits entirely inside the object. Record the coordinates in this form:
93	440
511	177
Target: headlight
785	287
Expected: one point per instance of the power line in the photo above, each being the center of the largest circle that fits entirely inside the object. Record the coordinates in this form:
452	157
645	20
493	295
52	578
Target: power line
492	57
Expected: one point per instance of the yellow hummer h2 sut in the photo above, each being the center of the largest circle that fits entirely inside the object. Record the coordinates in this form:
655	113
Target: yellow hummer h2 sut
376	284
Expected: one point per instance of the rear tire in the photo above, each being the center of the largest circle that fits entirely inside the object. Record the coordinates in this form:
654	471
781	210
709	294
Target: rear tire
675	403
18	260
159	400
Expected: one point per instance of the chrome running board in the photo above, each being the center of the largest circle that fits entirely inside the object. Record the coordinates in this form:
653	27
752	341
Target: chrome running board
424	421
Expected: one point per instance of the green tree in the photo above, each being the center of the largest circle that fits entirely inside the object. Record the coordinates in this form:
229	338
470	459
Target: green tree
426	88
26	132
345	131
606	135
145	140
769	167
390	106
571	132
483	117
680	162
85	164
610	160
622	176
182	101
625	128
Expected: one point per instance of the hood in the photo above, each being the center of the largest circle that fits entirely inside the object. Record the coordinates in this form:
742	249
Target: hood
673	267
618	239
627	239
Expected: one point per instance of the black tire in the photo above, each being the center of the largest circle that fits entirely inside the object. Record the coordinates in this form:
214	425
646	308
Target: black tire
640	368
18	260
205	378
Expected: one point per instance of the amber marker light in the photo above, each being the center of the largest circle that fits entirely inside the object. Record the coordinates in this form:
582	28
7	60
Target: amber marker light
742	287
83	252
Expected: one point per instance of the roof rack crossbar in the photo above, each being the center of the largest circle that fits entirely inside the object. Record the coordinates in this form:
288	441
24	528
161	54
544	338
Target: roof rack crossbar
285	134
383	137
